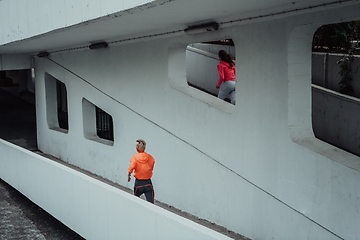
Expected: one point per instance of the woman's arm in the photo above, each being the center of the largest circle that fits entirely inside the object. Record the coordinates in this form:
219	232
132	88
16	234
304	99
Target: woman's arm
221	75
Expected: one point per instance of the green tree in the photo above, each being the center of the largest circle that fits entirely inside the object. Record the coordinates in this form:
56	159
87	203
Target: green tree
340	38
336	37
346	74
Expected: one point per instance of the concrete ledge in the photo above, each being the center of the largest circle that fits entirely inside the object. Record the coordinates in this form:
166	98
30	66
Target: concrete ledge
339	112
15	62
90	207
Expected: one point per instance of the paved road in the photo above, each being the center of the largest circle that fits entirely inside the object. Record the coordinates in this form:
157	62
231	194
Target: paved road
13	222
22	219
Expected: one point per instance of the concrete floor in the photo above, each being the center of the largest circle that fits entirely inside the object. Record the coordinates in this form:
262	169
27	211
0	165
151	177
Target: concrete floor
22	219
14	224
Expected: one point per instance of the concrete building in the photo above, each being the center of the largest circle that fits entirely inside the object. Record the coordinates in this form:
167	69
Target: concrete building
255	168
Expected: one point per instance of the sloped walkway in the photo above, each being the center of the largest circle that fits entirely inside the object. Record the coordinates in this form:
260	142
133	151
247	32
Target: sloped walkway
18	125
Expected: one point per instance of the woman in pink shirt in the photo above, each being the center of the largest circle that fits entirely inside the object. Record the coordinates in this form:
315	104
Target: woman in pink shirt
226	83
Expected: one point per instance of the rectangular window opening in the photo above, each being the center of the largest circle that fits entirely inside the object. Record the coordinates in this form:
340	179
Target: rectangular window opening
336	85
202	72
98	124
104	125
61	94
56	104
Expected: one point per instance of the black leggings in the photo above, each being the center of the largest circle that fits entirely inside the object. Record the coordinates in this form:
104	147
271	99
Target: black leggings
144	186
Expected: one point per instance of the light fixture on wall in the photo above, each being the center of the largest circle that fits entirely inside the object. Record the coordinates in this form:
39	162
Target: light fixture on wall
98	45
43	54
202	28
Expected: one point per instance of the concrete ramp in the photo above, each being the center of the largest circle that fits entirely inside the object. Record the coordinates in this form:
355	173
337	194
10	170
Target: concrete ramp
90	207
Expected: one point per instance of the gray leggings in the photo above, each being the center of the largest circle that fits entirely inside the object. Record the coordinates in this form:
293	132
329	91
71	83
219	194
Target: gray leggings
227	88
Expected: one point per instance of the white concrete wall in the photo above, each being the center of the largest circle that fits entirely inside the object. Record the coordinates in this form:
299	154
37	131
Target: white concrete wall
15	61
206	147
336	118
24	19
332	76
201	69
93	209
213	48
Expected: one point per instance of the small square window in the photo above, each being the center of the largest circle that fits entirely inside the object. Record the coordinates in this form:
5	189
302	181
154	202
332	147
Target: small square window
98	124
104	125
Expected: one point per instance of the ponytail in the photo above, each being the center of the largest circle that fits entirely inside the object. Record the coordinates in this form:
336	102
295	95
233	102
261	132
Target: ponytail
224	56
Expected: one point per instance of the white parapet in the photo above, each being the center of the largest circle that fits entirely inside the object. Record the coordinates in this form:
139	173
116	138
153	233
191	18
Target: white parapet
90	207
15	61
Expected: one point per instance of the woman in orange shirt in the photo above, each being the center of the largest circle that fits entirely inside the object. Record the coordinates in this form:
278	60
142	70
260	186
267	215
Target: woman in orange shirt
143	164
226	83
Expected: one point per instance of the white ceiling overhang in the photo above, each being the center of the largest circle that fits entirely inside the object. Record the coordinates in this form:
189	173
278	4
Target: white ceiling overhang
161	16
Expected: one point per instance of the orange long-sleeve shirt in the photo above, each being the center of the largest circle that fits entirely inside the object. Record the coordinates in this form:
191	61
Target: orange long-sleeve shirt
143	164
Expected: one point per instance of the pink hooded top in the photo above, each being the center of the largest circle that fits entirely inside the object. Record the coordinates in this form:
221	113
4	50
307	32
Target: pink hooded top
143	164
225	72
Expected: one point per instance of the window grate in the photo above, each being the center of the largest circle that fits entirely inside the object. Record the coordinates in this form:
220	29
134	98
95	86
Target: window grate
104	125
62	105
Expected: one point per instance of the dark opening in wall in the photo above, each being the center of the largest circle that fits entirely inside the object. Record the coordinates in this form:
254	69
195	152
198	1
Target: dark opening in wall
17	108
56	104
336	85
62	105
21	83
202	60
104	125
98	124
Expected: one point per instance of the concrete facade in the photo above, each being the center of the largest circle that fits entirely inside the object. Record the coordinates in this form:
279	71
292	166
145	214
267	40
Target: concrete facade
326	71
334	115
336	118
255	167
